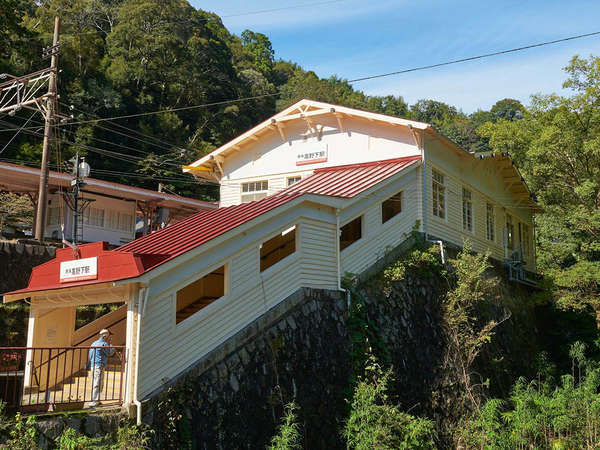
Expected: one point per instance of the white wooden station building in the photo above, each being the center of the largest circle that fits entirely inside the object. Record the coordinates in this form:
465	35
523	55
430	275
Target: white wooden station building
312	193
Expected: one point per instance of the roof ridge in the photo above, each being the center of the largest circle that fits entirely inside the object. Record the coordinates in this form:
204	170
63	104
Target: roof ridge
367	164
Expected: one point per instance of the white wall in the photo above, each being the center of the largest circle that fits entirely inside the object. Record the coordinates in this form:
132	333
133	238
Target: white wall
271	159
92	233
484	180
168	348
377	237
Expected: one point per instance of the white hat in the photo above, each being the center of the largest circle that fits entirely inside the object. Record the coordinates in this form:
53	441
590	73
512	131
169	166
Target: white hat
104	331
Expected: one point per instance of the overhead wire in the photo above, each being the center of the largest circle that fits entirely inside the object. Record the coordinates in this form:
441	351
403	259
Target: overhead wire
102	140
165	143
94	149
278	92
17	132
473	58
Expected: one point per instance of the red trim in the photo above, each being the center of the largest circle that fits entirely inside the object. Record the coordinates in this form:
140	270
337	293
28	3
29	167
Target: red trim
81	278
311	161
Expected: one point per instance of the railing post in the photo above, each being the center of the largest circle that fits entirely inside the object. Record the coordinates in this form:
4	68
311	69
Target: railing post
46	392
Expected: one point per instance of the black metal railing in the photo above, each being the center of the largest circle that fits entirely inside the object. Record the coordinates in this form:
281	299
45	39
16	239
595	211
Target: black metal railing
55	378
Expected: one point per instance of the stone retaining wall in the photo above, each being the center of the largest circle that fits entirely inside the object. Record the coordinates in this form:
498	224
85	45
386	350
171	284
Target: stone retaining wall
17	260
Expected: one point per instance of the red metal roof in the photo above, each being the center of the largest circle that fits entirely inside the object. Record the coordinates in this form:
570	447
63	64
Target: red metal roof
350	180
148	252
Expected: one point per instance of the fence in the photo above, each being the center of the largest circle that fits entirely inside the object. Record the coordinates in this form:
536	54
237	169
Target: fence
56	378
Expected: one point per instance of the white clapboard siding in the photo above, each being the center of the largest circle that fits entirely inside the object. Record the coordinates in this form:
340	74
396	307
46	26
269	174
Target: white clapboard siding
168	348
377	238
451	228
229	193
276	184
318	250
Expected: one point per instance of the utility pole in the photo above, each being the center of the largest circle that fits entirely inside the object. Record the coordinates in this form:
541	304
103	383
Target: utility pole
40	223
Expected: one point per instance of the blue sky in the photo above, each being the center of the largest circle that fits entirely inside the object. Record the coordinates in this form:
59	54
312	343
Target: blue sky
356	38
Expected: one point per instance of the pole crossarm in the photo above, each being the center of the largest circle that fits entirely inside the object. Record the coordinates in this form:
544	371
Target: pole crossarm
24	91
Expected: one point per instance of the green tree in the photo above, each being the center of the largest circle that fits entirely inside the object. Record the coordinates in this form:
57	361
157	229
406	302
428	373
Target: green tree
432	111
508	109
258	47
557	146
466	332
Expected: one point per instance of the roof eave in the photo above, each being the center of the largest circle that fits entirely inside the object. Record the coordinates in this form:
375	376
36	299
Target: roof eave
206	161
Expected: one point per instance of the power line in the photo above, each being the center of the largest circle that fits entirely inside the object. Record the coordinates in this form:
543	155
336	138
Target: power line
278	92
17	132
283	8
128	129
116	155
472	58
103	140
183	108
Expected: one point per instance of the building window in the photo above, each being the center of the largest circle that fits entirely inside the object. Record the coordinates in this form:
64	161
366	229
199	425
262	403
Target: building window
467	210
94	217
53	217
510	232
200	294
391	207
292	180
116	220
350	233
277	248
254	190
489	222
438	195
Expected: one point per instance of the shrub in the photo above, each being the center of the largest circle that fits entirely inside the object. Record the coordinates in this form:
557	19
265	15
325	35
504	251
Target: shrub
288	437
376	423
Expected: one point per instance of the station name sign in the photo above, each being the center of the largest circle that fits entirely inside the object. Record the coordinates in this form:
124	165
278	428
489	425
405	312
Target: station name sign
316	155
79	270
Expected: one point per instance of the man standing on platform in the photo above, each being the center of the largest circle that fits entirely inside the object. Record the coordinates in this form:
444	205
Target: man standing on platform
98	360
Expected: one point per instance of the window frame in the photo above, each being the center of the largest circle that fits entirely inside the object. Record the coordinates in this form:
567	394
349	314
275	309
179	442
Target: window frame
264	184
285	258
438	190
391	198
490	222
525	248
295	177
362	232
510	232
468	218
207	310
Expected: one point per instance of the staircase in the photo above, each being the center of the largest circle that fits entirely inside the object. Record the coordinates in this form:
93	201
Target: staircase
193	308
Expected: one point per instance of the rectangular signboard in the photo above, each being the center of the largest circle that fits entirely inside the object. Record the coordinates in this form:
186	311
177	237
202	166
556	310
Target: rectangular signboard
79	270
315	155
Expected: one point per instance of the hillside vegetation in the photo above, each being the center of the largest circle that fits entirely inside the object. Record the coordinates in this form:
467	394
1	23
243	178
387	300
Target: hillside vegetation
128	57
137	57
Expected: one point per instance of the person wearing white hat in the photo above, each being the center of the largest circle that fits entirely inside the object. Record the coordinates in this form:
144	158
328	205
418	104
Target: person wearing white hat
98	360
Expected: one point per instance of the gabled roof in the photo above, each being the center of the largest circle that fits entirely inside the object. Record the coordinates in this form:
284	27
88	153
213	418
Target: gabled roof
303	110
146	253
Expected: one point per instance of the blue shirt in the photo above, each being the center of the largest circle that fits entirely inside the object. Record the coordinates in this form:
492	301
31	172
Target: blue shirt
99	356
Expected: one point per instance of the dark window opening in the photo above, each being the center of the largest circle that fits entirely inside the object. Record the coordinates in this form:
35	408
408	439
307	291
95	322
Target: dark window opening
350	233
200	294
391	207
277	248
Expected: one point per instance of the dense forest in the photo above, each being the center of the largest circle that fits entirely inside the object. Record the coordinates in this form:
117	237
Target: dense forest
137	57
120	57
